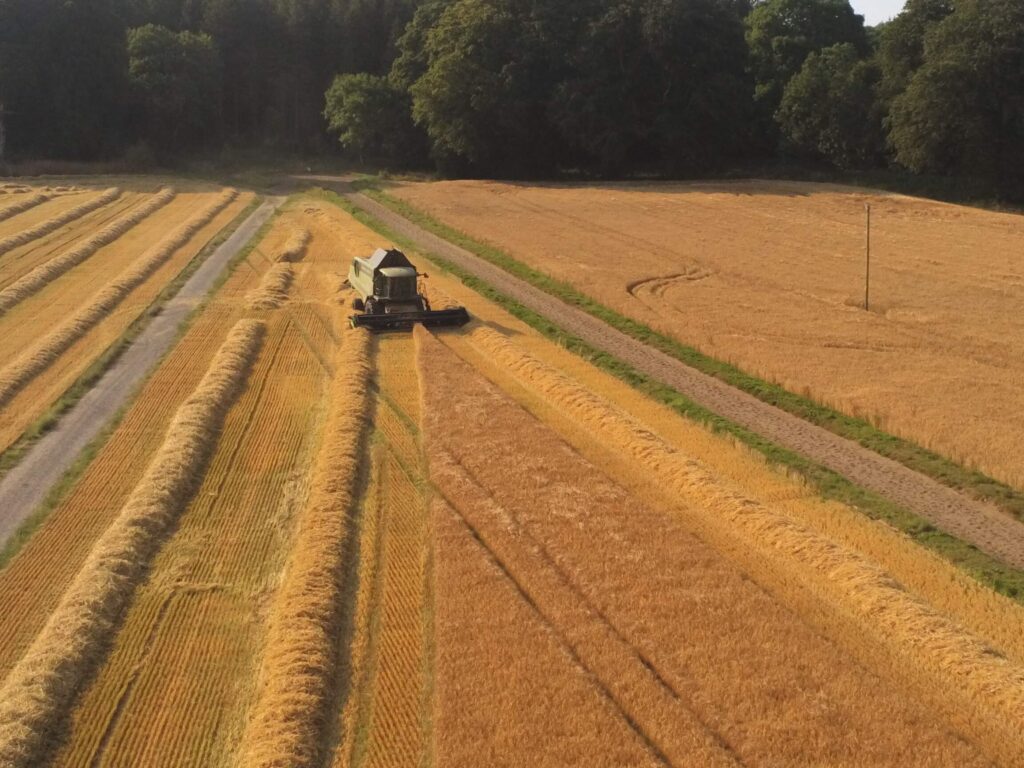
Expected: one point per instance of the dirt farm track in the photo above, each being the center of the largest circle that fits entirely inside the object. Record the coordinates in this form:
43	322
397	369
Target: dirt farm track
301	544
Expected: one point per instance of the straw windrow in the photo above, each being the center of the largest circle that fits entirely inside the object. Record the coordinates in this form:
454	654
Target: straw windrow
38	357
50	270
273	289
295	248
22	205
42	687
55	223
298	669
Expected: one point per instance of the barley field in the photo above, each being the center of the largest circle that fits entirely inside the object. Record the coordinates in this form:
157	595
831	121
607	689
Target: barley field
770	276
306	545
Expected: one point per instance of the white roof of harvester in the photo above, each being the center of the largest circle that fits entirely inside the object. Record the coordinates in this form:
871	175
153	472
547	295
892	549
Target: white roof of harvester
398	272
387	259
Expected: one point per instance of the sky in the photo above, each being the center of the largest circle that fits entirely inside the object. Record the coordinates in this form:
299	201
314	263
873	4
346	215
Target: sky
877	11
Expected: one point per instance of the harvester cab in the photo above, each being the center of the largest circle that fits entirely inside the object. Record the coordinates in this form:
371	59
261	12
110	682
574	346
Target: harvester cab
389	295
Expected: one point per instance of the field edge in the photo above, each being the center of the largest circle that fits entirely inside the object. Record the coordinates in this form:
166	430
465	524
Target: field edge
987	570
901	450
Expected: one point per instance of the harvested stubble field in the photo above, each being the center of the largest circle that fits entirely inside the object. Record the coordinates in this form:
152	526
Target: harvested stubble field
384	720
476	549
769	275
178	679
65	299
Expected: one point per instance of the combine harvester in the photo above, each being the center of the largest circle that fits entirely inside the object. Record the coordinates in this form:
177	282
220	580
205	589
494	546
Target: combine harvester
390	298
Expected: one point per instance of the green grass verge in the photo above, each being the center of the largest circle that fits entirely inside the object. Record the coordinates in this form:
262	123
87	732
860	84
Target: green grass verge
95	371
831	485
904	451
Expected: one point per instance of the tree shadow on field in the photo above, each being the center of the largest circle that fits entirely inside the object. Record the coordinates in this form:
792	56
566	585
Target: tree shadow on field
747	187
751	187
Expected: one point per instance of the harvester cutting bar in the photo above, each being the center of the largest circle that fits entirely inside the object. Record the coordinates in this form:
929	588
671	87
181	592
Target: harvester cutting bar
404	320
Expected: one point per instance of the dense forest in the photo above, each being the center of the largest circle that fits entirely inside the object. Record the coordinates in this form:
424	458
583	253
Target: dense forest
522	88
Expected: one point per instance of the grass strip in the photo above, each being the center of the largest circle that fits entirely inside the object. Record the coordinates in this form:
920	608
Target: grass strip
10	457
827	483
898	449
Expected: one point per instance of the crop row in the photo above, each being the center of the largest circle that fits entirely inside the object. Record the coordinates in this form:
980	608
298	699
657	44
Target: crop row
41	688
497	658
299	661
638	691
190	643
40	355
383	723
56	222
39	277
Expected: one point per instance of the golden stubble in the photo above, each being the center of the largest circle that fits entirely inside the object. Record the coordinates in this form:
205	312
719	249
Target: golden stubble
42	687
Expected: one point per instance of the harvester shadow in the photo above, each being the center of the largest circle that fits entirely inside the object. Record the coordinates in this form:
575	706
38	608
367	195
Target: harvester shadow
504	330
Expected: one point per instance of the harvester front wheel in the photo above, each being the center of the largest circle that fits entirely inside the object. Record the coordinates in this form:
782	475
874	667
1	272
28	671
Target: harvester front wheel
357	304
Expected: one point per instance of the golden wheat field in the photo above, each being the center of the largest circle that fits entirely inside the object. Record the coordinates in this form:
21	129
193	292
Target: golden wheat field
770	276
305	545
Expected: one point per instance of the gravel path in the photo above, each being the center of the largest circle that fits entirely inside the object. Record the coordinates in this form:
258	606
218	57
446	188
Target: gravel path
978	523
25	487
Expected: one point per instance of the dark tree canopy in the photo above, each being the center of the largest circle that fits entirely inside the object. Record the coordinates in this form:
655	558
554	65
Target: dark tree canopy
64	75
830	109
783	33
175	78
658	82
901	44
372	118
522	88
963	111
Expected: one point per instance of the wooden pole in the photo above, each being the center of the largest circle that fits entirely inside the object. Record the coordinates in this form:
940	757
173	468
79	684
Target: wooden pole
867	259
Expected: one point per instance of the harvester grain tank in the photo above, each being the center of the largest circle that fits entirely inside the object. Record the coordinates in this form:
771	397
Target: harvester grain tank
389	295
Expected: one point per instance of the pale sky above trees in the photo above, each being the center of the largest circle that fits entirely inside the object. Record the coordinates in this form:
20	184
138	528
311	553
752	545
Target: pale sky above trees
877	11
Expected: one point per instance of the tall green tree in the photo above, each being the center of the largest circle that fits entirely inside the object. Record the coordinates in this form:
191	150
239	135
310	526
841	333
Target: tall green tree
176	81
63	76
248	35
703	111
901	44
373	120
783	33
483	98
658	82
963	111
830	109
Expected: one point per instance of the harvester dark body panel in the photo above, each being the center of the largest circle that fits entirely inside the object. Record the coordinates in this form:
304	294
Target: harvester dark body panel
390	297
400	321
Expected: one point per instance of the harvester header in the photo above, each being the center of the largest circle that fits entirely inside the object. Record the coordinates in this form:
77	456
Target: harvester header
390	297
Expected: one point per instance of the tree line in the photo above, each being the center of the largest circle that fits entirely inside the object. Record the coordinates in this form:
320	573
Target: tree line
87	79
525	87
